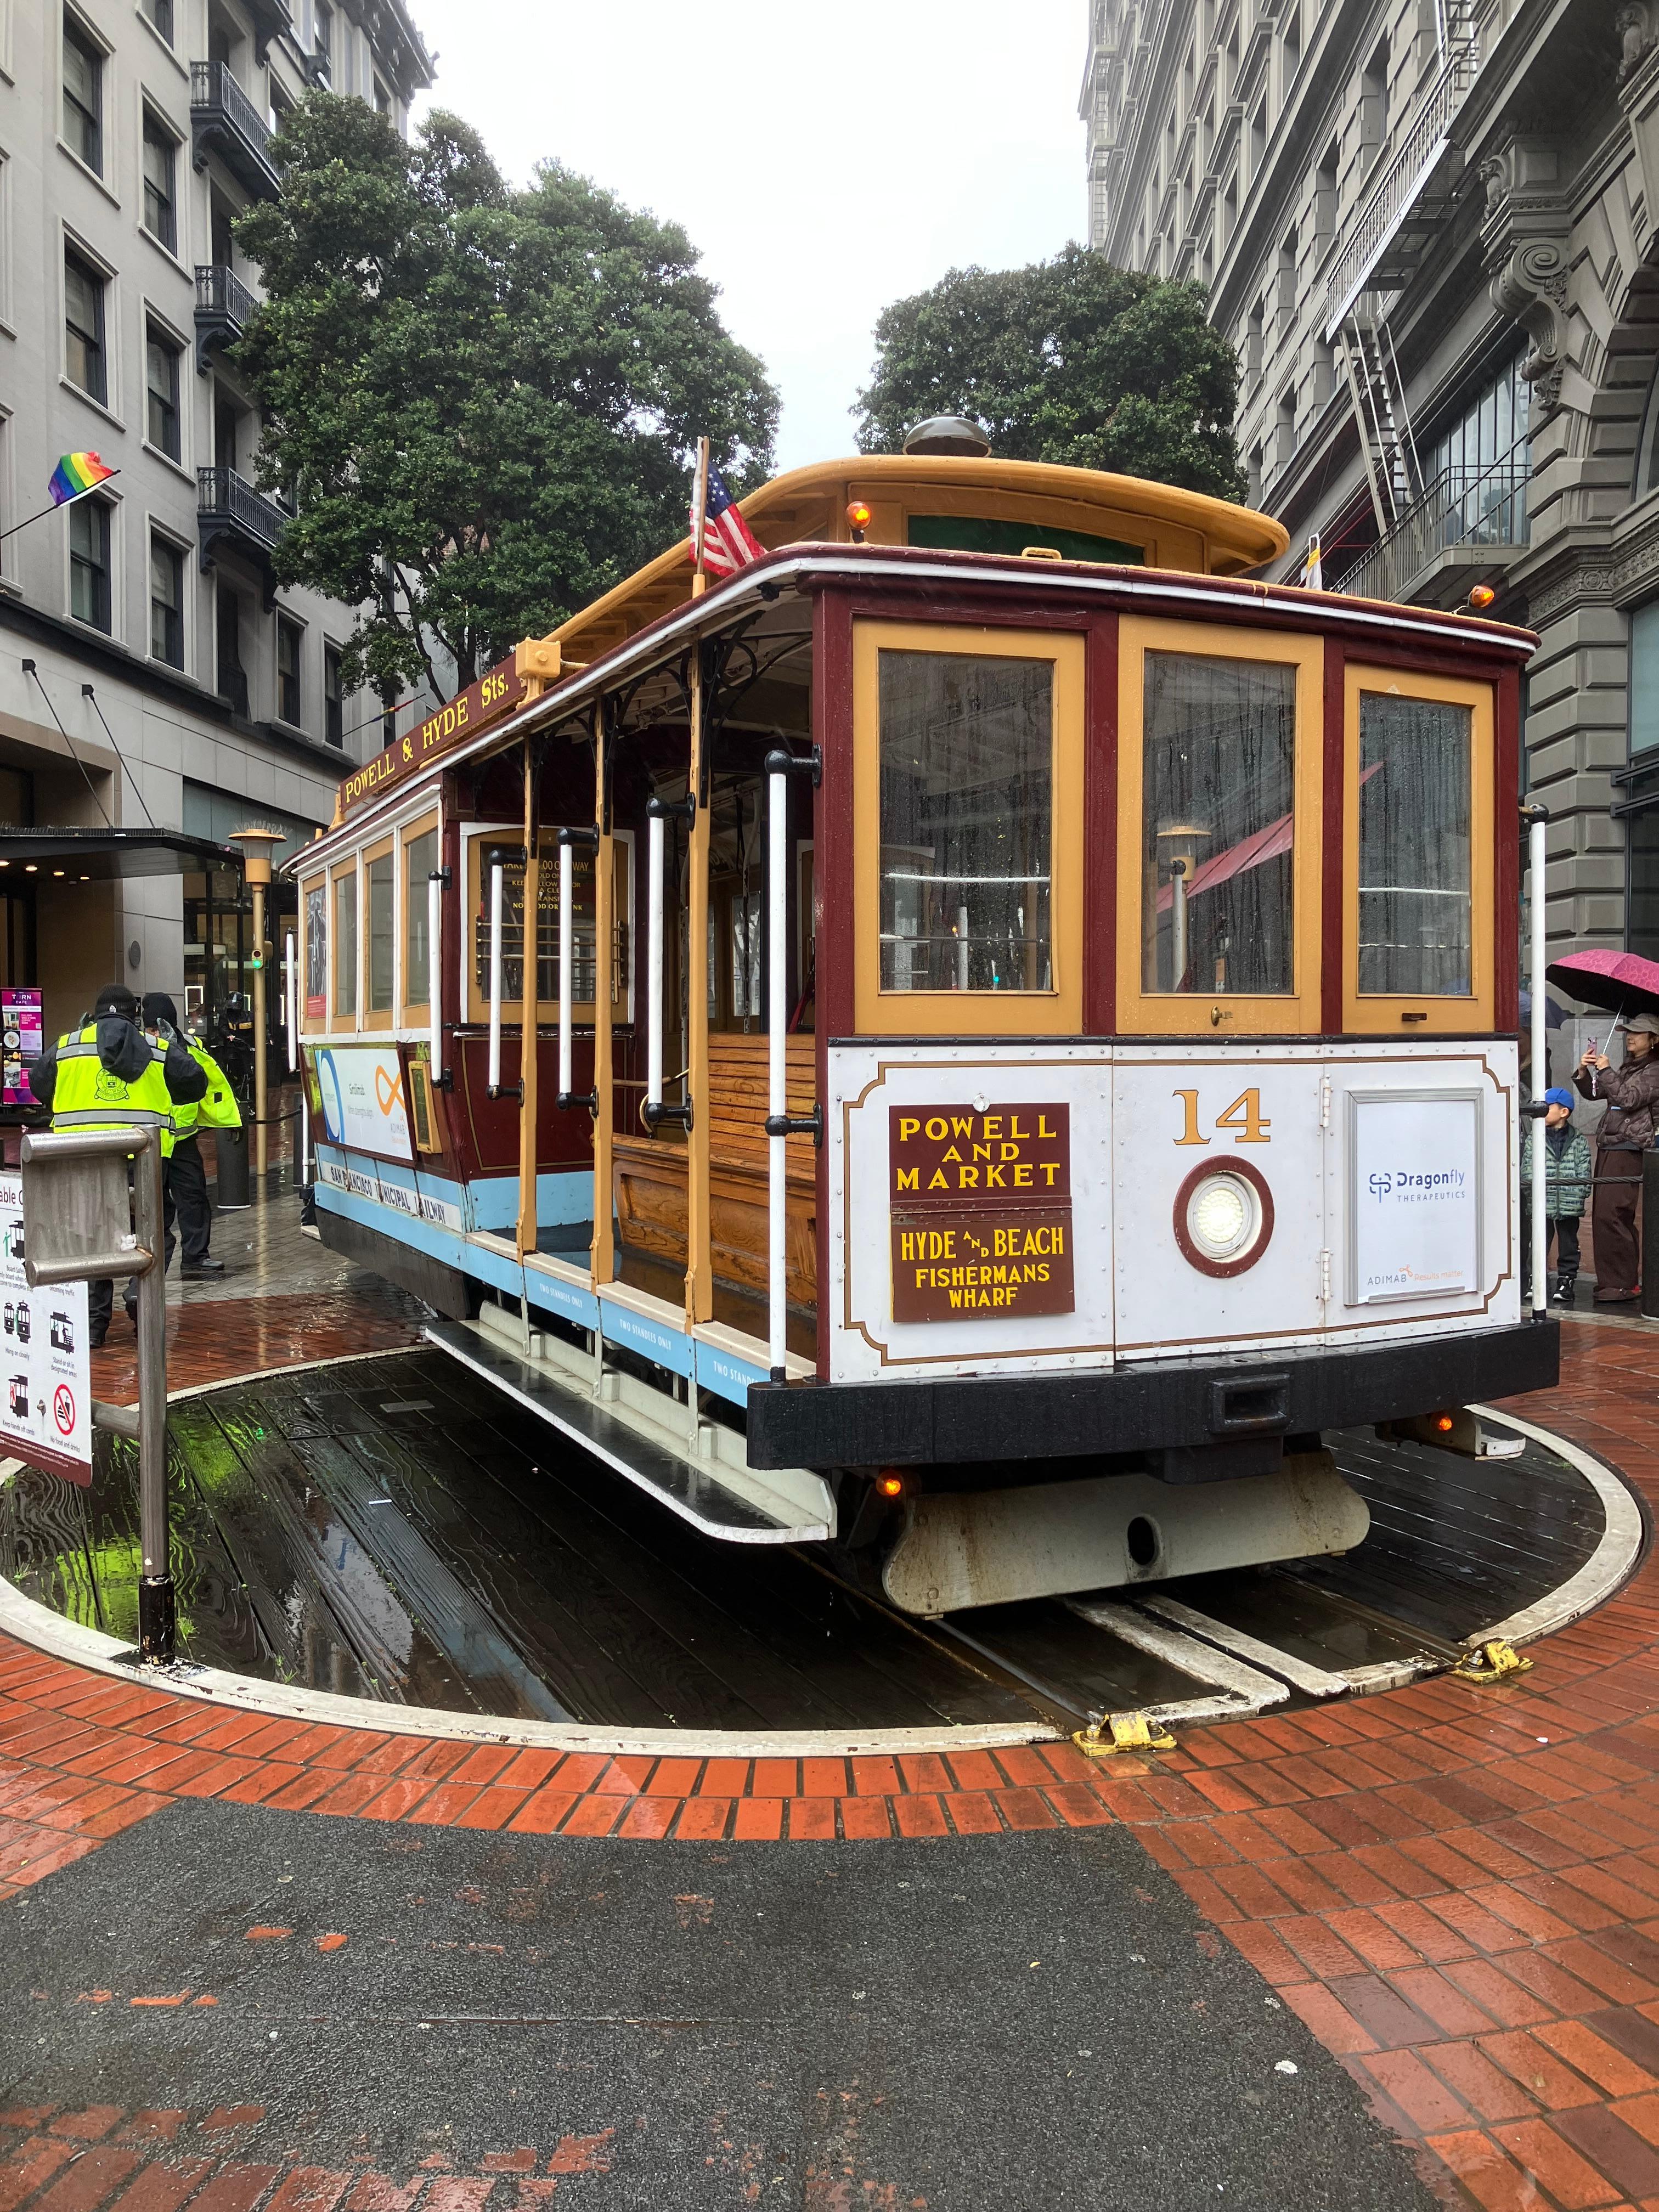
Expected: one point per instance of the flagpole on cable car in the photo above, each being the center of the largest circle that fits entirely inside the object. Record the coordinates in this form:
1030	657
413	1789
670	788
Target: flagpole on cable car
700	521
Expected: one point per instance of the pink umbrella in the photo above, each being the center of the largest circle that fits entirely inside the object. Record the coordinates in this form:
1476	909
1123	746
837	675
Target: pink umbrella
1613	980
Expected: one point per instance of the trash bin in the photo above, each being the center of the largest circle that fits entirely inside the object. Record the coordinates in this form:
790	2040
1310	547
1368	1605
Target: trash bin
232	1148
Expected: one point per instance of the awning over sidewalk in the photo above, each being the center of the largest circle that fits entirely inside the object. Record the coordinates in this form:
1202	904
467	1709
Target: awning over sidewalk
98	856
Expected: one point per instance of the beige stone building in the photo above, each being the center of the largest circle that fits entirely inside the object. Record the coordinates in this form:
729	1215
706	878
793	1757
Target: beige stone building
1432	228
152	680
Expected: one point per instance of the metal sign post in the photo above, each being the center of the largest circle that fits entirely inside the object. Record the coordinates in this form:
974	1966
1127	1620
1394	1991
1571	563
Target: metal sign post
80	1226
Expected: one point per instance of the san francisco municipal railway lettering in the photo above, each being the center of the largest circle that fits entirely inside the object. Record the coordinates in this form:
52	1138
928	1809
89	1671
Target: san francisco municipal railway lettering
981	1212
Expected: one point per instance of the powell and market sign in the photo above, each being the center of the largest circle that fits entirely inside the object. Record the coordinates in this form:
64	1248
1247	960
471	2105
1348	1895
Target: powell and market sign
495	693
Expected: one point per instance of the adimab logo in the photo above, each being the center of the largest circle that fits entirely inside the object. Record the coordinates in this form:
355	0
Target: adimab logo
1410	1185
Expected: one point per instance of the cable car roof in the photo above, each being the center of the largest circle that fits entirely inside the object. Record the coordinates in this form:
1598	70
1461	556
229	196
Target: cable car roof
766	596
1163	527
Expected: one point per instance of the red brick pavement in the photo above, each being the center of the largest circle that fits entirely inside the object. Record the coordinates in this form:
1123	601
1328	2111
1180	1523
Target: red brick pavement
213	1338
1456	1889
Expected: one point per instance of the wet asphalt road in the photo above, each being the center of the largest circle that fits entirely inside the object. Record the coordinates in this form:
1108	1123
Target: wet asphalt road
959	2023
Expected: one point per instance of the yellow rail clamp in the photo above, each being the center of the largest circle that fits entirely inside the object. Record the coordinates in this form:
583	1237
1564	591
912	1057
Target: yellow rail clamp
1108	1734
1491	1663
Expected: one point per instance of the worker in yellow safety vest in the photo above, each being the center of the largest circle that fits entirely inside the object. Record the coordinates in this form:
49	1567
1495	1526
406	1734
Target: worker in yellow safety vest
107	1074
186	1177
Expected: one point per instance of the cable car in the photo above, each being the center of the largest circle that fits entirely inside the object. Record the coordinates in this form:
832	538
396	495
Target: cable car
977	1040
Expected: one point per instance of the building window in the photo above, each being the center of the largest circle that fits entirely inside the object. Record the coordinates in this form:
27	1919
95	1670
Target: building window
90	591
333	696
167	602
230	678
84	96
1483	462
161	379
289	637
159	15
83	326
1643	677
161	164
1642	932
382	99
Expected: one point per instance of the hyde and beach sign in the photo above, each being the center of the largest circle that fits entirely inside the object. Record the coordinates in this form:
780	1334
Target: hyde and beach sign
980	1204
1416	1196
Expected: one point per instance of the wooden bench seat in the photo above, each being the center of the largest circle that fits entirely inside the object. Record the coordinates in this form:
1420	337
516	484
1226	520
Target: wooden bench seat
649	1174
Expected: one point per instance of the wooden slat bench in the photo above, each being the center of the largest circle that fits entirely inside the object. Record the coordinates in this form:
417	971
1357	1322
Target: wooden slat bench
650	1174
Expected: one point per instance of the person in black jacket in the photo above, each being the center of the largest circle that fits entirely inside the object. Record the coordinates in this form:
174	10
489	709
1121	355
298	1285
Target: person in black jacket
128	1054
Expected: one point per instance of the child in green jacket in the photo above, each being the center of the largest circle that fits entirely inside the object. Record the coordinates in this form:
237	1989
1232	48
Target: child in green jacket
1566	1190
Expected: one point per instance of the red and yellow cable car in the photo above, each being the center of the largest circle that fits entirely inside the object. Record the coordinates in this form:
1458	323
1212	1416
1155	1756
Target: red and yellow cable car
977	1040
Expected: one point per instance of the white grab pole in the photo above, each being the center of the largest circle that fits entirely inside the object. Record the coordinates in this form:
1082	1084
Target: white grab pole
495	872
653	968
962	948
434	970
1540	1075
290	1004
1178	922
777	1015
567	963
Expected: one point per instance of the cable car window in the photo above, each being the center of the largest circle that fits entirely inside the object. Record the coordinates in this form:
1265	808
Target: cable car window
346	942
1415	813
420	858
967	822
316	950
379	934
1217	826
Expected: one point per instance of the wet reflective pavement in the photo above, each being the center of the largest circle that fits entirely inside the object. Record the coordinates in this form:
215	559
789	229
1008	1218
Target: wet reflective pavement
393	1528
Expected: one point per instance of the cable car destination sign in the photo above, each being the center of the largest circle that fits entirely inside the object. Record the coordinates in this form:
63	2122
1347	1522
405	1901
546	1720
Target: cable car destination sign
496	692
980	1209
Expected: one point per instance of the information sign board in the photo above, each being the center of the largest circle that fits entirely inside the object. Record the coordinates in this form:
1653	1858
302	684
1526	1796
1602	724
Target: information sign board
23	1038
46	1362
980	1211
1414	1193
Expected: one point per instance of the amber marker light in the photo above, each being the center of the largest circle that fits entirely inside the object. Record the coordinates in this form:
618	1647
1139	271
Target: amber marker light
1481	597
892	1487
858	517
1444	1422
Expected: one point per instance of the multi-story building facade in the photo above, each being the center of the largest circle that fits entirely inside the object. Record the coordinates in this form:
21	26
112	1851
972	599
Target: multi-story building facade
150	672
1431	229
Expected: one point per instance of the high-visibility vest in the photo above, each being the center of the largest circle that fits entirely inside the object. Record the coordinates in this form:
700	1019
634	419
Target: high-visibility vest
218	1110
87	1096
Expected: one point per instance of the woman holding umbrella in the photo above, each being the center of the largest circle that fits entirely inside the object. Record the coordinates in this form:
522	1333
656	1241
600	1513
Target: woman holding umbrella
1631	1093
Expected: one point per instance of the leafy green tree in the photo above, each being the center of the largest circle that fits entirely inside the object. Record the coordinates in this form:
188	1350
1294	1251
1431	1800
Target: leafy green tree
482	403
1069	360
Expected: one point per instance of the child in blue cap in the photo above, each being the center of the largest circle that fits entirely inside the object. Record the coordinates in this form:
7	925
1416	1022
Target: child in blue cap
1567	1190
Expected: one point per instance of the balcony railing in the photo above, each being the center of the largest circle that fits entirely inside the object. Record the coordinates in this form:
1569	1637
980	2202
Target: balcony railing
1396	187
227	507
224	121
224	308
1463	509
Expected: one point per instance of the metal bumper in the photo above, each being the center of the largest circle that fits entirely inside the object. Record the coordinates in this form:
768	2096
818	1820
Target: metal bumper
1041	1418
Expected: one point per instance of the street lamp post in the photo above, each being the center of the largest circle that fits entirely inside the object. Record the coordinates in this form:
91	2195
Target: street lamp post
257	847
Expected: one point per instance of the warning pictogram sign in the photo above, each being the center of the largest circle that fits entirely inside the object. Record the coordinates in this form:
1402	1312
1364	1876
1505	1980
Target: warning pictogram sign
62	1409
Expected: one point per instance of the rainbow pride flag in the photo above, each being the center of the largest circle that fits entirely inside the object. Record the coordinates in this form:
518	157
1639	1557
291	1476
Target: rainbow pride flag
75	475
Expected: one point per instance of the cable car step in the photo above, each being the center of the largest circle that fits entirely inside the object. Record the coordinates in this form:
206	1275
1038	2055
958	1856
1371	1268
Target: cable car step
786	1506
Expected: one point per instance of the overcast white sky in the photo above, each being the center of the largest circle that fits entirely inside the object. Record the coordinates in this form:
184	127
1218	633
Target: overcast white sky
825	159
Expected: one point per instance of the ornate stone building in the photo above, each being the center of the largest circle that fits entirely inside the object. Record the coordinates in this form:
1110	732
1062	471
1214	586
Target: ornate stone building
1432	227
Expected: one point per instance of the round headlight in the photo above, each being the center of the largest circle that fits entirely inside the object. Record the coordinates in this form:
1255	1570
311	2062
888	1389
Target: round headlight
1221	1216
1224	1217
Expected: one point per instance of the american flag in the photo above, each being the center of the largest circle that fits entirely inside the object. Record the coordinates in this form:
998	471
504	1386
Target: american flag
729	543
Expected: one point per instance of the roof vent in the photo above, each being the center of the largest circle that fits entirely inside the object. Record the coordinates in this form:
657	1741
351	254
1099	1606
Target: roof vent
949	433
